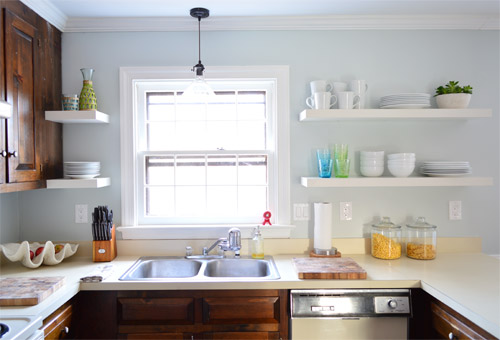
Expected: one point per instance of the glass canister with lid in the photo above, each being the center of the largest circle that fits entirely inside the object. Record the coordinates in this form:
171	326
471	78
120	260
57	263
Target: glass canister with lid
386	240
421	240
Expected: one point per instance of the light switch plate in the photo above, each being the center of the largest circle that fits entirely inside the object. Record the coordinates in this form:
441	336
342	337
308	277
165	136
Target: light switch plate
301	212
455	210
81	213
345	211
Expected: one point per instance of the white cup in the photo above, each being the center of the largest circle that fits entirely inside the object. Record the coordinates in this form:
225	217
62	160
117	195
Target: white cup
360	87
321	100
320	86
339	87
347	100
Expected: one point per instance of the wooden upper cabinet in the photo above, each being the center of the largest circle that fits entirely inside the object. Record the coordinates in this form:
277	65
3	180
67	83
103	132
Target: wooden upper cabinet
21	61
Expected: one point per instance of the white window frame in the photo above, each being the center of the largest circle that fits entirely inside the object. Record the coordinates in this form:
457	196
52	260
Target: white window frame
129	76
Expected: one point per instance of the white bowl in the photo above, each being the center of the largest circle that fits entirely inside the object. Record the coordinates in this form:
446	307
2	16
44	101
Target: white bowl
365	162
453	100
401	156
21	252
401	163
372	154
371	171
401	170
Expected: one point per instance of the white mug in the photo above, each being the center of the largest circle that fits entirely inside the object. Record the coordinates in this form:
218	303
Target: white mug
346	100
360	87
339	87
320	86
321	101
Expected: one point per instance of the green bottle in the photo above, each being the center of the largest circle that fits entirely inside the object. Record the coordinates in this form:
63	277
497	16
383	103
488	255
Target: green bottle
88	100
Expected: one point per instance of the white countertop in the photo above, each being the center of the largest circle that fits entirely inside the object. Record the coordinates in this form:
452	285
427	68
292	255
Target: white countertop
467	282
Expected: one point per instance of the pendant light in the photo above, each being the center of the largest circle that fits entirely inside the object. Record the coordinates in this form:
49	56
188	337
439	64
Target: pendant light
199	88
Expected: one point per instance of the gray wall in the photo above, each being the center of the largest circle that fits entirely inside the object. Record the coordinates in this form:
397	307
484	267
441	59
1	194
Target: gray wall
390	61
10	230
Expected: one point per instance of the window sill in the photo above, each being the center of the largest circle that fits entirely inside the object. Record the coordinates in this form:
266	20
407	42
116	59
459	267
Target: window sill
193	232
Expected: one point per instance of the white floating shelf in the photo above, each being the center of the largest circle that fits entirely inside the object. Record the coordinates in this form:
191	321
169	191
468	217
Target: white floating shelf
88	116
366	182
381	114
68	183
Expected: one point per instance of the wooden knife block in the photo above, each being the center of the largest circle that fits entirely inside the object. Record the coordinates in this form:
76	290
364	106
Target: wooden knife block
104	251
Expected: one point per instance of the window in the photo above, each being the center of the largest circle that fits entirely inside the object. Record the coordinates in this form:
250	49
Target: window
186	162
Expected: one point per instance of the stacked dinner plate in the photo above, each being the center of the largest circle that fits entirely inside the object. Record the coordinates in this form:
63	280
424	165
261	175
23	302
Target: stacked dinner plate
82	170
445	169
406	101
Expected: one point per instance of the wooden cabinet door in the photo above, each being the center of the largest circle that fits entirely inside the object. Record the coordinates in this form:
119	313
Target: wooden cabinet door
21	62
241	336
3	126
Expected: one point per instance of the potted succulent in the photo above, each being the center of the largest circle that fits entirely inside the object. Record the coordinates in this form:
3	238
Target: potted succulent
452	96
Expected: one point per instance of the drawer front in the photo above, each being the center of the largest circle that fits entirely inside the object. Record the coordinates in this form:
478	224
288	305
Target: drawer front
178	311
241	336
241	310
449	325
160	336
58	325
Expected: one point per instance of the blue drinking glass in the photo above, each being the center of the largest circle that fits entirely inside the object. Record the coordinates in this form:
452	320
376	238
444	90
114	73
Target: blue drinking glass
324	163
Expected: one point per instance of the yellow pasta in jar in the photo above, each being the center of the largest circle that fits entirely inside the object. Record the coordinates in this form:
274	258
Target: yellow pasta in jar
385	248
420	251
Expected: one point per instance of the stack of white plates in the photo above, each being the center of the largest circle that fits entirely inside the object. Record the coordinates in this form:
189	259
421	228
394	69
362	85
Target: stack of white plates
445	169
406	101
82	170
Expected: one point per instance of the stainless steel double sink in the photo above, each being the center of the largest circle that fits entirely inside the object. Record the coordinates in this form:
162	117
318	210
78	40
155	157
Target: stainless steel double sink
168	268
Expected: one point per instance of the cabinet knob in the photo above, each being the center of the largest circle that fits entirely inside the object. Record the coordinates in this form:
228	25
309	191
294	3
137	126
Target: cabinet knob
13	154
66	330
3	153
452	336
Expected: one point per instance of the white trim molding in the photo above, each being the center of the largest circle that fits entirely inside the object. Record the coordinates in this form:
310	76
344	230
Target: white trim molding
129	76
267	23
47	10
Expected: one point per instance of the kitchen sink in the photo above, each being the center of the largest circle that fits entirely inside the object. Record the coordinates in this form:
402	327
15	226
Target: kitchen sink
238	268
164	268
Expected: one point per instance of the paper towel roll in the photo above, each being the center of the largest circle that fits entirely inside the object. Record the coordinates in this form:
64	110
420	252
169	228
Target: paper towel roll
323	225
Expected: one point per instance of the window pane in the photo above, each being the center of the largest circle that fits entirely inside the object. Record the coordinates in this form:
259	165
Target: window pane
160	97
160	201
190	170
160	170
252	135
252	170
221	135
221	170
223	107
161	136
188	111
222	200
190	201
252	200
161	112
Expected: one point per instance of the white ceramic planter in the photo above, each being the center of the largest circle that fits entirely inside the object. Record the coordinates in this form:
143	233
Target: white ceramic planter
453	100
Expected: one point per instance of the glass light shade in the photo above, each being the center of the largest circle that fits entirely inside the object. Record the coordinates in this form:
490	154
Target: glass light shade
199	89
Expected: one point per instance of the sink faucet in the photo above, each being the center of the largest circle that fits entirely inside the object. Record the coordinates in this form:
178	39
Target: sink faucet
232	243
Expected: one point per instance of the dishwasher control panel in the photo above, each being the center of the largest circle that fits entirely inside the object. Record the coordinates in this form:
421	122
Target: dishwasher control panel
392	304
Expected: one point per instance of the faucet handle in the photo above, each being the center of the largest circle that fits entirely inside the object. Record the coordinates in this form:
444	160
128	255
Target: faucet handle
189	251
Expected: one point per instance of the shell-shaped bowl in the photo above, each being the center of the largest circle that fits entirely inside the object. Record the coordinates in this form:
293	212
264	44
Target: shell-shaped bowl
21	252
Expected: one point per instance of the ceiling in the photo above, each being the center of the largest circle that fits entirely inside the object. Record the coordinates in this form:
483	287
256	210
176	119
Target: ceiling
180	8
73	15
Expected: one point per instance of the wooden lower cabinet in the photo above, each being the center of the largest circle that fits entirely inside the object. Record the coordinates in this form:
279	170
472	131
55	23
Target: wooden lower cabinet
433	319
183	314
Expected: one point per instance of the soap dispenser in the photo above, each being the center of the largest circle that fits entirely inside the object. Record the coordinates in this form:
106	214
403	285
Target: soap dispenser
257	244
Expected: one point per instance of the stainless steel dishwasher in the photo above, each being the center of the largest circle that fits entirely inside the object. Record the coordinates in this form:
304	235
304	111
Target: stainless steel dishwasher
350	314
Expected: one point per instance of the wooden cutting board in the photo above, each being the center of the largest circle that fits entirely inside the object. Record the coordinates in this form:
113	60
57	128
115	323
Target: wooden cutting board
27	291
343	268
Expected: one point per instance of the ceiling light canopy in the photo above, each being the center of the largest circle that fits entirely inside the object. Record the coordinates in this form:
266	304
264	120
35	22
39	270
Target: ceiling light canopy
199	87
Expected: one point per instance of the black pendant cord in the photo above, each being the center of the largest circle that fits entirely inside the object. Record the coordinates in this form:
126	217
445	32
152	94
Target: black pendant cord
199	40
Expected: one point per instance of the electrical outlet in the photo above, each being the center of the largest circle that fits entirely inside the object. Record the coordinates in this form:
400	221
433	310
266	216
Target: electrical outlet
301	212
455	210
81	213
345	211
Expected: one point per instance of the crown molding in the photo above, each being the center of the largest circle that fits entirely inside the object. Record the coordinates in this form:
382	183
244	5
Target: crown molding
47	10
329	22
